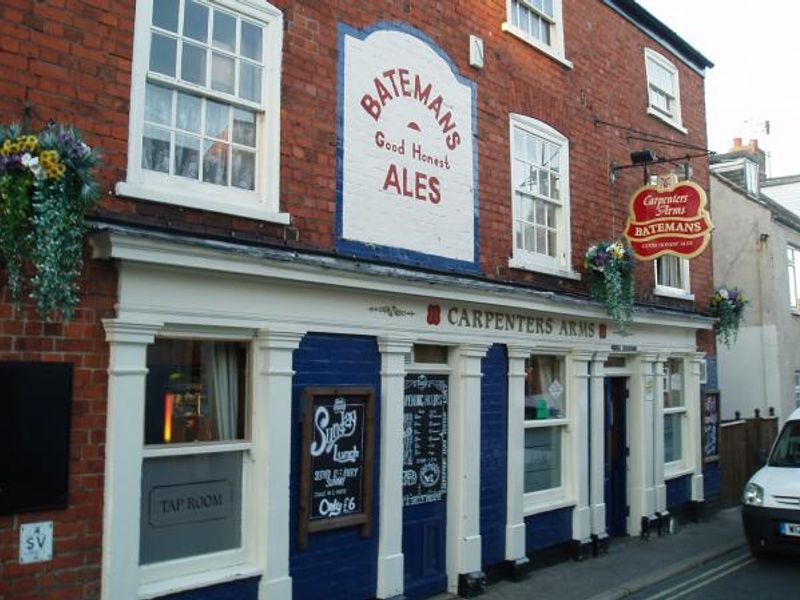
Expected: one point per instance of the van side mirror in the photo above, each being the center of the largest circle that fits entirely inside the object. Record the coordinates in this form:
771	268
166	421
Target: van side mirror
761	457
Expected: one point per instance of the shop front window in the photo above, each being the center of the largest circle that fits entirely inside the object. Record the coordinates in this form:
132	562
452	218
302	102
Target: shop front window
195	442
674	410
545	424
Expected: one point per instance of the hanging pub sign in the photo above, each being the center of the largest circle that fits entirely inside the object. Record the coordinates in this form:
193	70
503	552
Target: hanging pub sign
424	438
336	462
669	219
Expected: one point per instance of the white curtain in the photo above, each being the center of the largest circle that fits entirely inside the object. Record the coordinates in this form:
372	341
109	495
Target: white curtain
221	365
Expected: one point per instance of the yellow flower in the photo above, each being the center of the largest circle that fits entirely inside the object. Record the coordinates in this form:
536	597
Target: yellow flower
6	147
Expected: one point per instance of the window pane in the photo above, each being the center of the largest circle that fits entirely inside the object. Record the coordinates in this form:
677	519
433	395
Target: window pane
215	162
222	73
191	505
188	115
545	392
155	149
162	54
530	238
193	64
542	459
224	31
540	213
243	174
673	383
244	127
249	82
158	105
165	14
195	21
518	238
217	120
673	445
552	245
541	240
187	156
196	390
544	184
251	41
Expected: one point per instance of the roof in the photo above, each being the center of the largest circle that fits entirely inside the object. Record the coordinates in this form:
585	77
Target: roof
785	180
660	32
779	213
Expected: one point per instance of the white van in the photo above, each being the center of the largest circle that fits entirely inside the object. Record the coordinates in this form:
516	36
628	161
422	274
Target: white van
771	499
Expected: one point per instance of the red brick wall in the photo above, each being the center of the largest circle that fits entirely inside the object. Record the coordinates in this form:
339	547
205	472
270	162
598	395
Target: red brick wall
74	572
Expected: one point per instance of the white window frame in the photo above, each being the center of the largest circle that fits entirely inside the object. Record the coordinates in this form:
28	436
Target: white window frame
678	467
555	49
793	276
557	497
751	177
263	203
673	119
215	567
532	261
685	291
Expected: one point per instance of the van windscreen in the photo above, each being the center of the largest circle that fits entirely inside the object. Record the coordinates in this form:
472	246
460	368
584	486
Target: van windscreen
787	449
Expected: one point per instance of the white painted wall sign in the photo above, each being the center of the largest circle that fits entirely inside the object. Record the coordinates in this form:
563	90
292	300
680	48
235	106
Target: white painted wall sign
35	542
407	165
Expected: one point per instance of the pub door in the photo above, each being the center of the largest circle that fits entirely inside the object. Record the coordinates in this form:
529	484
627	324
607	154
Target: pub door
425	485
616	455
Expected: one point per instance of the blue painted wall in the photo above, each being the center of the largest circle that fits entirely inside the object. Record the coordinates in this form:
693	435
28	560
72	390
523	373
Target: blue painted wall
245	589
494	454
548	529
712	483
678	491
337	564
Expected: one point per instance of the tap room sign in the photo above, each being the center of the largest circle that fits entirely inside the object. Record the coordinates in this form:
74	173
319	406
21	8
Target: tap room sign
406	169
668	220
336	462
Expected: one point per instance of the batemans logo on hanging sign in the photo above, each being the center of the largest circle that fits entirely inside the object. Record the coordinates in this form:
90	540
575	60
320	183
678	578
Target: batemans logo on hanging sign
668	220
406	171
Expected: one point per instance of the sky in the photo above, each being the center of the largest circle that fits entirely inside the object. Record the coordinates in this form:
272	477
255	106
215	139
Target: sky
755	47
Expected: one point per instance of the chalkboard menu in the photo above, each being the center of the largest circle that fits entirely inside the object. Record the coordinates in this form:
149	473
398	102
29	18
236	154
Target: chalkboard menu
424	438
711	426
337	457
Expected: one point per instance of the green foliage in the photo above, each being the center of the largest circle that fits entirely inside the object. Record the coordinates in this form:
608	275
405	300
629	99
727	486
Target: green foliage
46	187
727	306
610	269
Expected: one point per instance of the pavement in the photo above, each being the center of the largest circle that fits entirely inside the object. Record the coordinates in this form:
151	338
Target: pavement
631	564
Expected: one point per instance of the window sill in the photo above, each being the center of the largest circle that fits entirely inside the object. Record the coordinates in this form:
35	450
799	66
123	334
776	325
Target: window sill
531	507
204	579
534	423
526	264
670	292
545	49
675	470
668	121
189	200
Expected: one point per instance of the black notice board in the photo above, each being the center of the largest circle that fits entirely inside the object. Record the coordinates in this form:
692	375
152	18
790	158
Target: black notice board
34	435
424	438
337	460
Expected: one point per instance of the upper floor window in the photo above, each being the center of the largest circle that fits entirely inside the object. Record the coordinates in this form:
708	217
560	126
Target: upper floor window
540	23
662	89
205	104
793	259
672	276
540	187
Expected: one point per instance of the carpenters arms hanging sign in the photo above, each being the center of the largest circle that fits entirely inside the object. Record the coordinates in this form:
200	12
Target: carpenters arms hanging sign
669	219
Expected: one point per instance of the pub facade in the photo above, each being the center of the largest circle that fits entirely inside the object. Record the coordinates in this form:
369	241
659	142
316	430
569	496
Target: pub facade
338	334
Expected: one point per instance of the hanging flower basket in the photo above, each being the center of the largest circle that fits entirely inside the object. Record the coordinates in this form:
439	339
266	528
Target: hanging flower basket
46	186
727	306
610	269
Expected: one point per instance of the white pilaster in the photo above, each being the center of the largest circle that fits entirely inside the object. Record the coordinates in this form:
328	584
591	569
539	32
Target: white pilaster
597	409
390	542
642	467
579	440
127	373
463	496
515	519
694	422
658	433
272	445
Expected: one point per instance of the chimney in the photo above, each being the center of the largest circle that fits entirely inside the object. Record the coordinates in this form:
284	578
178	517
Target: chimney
737	144
752	147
